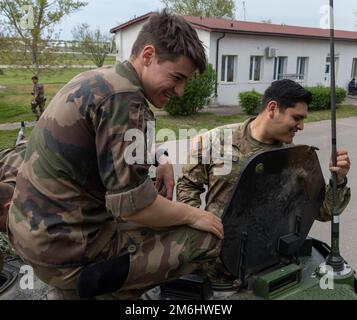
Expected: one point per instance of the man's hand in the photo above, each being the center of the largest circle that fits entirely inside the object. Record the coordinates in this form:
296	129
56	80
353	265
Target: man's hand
165	180
207	221
343	166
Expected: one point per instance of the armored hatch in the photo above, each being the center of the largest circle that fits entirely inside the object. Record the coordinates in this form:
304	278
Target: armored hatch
274	204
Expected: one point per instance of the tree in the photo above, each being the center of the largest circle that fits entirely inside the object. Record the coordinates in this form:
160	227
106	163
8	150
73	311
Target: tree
92	43
5	47
32	23
202	8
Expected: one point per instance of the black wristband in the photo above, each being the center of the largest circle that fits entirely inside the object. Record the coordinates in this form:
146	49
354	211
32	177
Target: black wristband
342	185
158	154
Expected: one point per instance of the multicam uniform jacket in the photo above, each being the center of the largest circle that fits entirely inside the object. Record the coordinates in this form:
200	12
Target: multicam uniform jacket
198	174
38	92
75	184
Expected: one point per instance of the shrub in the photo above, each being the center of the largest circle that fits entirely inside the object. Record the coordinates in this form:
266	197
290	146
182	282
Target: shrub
321	97
250	101
197	94
340	95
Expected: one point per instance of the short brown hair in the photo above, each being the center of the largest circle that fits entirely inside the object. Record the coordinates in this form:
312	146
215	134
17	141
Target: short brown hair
6	193
172	36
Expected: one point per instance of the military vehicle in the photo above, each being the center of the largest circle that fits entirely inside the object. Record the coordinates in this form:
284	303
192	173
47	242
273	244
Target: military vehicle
266	247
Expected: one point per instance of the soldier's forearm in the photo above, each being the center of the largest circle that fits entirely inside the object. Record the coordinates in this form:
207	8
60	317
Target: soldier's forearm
163	213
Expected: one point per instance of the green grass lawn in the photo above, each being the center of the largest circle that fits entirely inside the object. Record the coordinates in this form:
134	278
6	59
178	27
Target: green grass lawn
16	97
15	101
200	121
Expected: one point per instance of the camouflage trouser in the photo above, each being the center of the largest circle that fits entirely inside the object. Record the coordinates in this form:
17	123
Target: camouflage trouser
40	104
155	257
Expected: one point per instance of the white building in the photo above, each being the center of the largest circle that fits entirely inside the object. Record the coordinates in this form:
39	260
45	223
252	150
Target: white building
251	55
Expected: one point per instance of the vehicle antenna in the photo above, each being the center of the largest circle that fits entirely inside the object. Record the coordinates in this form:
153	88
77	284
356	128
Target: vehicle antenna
334	259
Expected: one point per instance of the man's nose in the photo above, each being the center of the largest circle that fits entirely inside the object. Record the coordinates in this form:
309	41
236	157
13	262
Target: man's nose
180	88
300	125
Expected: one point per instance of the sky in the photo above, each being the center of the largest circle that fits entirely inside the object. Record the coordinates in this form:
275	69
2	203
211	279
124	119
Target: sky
107	14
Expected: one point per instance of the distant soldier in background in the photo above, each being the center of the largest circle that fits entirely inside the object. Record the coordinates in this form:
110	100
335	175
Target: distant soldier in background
38	99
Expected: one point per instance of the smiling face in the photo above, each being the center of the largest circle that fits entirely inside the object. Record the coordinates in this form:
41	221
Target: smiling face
286	123
165	79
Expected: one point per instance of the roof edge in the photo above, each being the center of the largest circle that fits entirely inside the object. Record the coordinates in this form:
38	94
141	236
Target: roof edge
132	21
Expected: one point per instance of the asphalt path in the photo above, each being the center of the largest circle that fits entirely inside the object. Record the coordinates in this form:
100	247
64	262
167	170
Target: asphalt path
317	134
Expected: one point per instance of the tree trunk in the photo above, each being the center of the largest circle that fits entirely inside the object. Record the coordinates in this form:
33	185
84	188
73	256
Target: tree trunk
34	53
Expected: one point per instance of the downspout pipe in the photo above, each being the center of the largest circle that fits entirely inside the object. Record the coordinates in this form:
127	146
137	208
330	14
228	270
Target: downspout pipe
217	57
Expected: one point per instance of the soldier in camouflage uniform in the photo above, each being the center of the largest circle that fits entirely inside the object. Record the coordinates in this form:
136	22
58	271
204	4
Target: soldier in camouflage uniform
38	99
10	162
78	204
285	106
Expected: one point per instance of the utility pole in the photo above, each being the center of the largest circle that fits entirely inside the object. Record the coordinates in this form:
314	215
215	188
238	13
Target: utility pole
244	11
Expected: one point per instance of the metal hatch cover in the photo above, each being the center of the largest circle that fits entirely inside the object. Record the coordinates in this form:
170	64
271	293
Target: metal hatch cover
277	196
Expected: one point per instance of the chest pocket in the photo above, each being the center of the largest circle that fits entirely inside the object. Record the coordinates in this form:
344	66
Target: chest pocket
226	164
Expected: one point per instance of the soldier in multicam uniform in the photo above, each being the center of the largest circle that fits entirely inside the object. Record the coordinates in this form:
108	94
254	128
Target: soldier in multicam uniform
285	106
83	217
38	99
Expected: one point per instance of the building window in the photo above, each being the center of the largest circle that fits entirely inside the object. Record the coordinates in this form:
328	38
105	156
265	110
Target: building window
354	68
228	68
280	64
301	67
255	68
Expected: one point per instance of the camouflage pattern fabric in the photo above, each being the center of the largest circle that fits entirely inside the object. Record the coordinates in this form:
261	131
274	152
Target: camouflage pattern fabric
75	188
38	92
156	256
10	161
194	177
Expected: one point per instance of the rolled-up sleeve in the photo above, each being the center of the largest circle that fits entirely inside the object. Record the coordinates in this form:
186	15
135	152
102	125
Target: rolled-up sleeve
126	203
343	198
129	188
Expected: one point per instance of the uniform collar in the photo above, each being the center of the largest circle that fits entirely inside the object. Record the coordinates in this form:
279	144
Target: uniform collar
243	135
127	70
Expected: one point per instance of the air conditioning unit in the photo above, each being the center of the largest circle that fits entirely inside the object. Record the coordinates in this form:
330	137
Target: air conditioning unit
270	52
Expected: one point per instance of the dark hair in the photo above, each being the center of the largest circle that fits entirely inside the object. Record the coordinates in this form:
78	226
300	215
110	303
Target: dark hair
6	193
34	78
172	36
287	93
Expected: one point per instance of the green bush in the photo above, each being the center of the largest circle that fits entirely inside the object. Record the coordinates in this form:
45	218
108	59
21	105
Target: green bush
250	101
197	94
321	97
340	95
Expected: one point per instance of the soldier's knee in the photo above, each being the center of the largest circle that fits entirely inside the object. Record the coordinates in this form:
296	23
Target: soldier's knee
204	241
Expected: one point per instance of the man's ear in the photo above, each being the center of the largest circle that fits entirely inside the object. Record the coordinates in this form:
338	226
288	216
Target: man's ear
148	54
272	108
7	206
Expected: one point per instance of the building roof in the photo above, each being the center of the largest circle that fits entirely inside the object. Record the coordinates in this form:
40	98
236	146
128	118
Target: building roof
252	28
